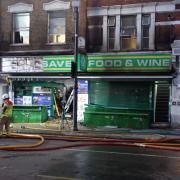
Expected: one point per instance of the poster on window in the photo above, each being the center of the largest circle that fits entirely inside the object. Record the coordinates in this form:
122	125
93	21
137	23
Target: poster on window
42	99
82	99
18	100
27	100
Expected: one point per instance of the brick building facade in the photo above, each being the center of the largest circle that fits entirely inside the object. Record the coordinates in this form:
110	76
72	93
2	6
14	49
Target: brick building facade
163	23
132	55
39	14
36	50
118	29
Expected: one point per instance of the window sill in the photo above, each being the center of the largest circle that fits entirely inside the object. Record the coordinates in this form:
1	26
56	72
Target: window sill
55	44
19	44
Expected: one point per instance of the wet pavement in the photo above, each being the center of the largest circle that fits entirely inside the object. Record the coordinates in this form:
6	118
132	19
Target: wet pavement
54	127
112	163
88	163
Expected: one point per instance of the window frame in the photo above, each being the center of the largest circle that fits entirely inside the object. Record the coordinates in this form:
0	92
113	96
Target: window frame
142	34
128	36
48	33
111	25
14	29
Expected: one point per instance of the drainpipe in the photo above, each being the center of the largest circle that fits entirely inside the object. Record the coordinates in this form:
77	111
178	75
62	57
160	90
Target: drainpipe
75	6
155	99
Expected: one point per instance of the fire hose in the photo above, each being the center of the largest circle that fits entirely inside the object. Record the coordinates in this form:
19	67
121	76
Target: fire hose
27	136
164	143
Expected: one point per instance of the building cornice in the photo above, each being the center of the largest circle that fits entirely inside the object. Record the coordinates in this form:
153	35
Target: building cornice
56	5
20	7
151	7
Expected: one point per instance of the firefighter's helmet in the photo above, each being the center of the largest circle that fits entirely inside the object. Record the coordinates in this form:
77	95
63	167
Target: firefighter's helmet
5	96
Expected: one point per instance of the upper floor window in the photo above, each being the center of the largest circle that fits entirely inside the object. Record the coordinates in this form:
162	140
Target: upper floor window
128	33
145	30
21	27
57	28
111	32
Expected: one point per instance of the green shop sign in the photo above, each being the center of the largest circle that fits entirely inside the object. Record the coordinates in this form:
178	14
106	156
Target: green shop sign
63	63
129	63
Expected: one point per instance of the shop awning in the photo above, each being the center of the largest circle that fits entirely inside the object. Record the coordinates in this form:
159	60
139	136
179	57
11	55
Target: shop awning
135	77
38	77
110	77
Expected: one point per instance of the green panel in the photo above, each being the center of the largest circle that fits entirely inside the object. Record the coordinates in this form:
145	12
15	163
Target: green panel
99	93
129	63
63	63
96	115
99	108
29	114
29	84
19	116
122	120
137	95
122	104
82	62
57	63
35	116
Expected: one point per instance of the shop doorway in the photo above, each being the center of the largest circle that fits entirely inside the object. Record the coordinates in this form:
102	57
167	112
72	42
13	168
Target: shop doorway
162	92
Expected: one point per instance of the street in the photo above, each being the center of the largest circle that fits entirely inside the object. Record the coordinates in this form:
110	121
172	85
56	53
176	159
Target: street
99	80
88	163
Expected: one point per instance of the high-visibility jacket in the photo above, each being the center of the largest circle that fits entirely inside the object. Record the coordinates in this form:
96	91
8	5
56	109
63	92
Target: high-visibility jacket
7	108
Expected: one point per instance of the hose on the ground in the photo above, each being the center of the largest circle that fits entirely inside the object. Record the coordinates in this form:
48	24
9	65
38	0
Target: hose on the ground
27	136
162	143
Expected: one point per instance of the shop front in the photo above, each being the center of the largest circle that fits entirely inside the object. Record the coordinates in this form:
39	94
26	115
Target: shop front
39	85
124	89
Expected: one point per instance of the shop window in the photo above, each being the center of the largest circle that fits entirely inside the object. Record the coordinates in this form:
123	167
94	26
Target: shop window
57	27
163	37
111	32
21	27
128	35
145	31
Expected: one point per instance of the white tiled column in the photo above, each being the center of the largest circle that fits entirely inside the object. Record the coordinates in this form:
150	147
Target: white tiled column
152	32
117	33
104	46
139	30
175	99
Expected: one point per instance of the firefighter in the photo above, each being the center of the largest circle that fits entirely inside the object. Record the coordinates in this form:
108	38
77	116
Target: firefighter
59	99
6	114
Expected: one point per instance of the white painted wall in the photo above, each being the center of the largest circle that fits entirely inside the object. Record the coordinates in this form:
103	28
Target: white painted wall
175	101
3	88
